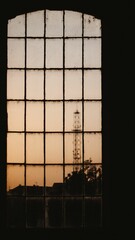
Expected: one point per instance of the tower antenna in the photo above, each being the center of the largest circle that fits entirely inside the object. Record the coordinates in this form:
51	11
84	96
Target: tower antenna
76	141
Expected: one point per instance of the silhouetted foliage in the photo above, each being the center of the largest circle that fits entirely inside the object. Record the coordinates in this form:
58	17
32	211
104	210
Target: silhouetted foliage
87	180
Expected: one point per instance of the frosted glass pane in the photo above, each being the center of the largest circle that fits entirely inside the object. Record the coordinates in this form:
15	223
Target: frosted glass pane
16	53
15	116
92	26
68	171
35	175
92	84
73	24
92	116
70	146
54	148
73	84
35	85
54	116
54	23
15	84
93	147
92	53
54	174
70	108
54	85
15	147
15	176
34	148
16	26
73	53
35	53
35	24
54	53
34	116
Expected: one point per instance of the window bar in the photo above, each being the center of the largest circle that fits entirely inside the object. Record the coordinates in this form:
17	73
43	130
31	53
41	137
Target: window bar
25	76
101	221
63	202
44	117
3	125
83	201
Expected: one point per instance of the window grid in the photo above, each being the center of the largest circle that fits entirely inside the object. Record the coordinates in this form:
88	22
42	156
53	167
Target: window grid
45	101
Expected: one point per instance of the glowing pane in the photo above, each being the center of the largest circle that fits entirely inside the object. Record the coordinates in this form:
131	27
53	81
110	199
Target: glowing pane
15	176
73	53
54	148
35	24
16	26
15	147
73	84
34	116
35	53
16	53
15	116
35	84
54	23
34	148
15	84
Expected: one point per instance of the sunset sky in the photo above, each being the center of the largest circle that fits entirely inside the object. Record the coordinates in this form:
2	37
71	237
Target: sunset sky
52	65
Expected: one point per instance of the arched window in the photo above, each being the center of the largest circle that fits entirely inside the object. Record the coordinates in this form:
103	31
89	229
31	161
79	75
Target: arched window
54	134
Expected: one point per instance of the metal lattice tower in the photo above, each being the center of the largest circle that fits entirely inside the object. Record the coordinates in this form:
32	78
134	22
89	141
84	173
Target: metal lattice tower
76	141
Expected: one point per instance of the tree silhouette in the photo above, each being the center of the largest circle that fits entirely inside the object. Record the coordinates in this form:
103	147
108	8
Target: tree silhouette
88	179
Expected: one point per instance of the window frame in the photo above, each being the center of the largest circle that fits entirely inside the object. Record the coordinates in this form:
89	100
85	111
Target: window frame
92	10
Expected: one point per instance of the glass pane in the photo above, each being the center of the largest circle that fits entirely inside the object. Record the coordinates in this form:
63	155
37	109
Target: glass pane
34	116
35	53
54	148
73	147
92	84
15	84
15	210
73	24
15	177
35	24
54	53
15	116
35	175
92	53
92	26
16	53
93	147
92	116
34	148
54	116
35	211
74	212
15	147
54	23
73	53
54	212
73	84
70	109
16	26
54	85
54	174
35	84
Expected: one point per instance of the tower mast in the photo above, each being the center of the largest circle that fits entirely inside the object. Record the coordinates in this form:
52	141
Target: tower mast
76	142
